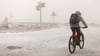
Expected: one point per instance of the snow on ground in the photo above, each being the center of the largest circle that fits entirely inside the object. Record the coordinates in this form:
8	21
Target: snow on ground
23	27
49	42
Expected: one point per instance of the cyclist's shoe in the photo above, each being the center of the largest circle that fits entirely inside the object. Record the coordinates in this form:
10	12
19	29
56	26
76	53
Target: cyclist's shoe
78	43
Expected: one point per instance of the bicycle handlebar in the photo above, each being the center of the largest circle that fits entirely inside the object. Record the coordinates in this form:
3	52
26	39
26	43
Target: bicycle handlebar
83	27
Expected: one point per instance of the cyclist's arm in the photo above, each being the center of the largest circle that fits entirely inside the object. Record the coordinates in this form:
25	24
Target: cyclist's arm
83	21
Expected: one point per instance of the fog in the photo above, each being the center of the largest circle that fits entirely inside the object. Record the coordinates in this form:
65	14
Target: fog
25	10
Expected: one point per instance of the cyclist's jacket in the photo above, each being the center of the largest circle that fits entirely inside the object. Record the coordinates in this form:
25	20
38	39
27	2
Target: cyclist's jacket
76	24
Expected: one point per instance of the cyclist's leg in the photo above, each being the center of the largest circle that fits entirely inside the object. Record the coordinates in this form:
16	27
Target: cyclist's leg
78	34
73	33
73	30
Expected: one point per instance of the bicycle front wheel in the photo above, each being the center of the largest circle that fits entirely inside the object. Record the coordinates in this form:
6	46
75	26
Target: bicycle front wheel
81	45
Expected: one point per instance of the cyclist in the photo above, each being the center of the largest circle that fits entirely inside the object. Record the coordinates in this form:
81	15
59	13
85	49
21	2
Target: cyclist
74	24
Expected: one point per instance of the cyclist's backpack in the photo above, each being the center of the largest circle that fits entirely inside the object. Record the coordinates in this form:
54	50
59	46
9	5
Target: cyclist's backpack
74	19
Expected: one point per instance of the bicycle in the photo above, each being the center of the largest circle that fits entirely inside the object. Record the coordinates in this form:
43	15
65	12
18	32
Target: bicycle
73	42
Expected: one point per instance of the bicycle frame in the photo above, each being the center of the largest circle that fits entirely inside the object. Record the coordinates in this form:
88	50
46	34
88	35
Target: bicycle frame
75	35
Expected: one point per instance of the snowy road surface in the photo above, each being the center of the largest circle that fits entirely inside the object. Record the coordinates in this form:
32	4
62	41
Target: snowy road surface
49	42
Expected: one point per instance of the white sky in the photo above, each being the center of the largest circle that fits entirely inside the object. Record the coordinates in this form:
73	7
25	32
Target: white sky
25	10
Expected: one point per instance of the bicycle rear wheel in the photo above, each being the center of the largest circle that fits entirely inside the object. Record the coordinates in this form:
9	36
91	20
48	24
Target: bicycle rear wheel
72	45
81	45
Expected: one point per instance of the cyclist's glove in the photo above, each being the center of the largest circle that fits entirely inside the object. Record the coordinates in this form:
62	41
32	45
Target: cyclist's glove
85	27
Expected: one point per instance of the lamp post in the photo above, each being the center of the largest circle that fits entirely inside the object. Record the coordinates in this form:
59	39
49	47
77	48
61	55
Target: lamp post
53	15
39	8
6	22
